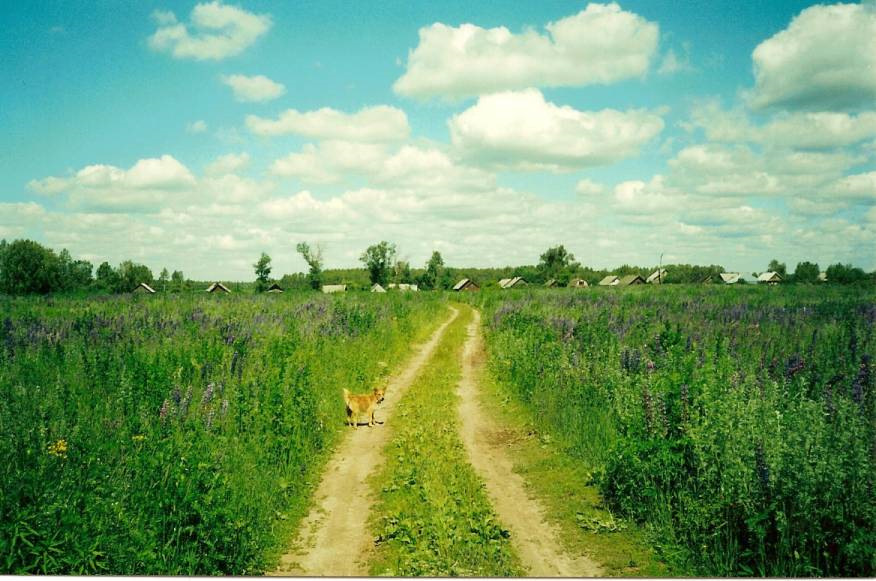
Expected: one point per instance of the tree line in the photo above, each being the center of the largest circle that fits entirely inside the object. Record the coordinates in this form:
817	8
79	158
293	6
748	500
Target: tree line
27	267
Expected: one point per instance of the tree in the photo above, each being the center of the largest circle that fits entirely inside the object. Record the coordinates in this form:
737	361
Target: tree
179	280
262	271
430	279
132	274
557	263
378	259
806	272
27	267
845	274
402	272
313	258
776	266
163	278
106	277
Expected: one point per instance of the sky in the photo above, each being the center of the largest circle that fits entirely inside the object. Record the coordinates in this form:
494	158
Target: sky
195	136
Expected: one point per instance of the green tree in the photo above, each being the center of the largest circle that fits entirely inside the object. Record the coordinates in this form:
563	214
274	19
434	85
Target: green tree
313	258
178	280
378	260
132	274
806	272
27	267
776	266
402	272
845	274
163	278
557	263
106	277
434	268
262	272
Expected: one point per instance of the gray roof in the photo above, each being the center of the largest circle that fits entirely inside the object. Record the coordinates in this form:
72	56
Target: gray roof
769	276
656	276
376	288
578	282
631	279
461	284
143	287
334	288
218	286
730	277
511	282
609	280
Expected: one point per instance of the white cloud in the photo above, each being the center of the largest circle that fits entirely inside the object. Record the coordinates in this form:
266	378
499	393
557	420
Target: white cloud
807	130
199	126
255	89
227	164
379	123
825	59
587	187
520	130
216	32
601	44
674	62
330	161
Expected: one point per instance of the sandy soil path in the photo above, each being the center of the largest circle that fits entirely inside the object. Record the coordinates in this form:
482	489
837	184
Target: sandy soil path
535	540
333	539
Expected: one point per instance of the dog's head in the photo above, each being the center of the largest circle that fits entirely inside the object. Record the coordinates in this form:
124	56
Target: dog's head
378	395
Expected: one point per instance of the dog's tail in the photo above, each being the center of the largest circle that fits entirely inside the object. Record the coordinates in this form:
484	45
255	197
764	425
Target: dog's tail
346	395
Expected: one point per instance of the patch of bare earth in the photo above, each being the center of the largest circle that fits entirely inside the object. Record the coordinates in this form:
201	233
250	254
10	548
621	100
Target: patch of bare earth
536	541
333	539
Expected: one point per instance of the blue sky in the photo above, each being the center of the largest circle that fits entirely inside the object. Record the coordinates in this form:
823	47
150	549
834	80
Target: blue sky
195	136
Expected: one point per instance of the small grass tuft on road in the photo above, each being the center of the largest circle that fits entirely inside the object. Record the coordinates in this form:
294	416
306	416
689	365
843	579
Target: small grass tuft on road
433	517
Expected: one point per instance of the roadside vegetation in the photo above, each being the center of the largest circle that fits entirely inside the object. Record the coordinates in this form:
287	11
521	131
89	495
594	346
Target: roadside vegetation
432	516
738	423
178	435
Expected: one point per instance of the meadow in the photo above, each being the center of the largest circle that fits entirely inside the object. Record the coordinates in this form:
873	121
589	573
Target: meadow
738	424
178	434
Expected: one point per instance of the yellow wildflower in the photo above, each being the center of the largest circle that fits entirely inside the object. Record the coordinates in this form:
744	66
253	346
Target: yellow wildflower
138	437
59	448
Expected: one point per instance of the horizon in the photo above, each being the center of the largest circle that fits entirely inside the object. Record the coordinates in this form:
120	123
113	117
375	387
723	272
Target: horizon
195	136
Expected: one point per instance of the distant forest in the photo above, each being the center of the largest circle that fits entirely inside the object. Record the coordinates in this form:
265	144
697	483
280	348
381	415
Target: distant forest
27	267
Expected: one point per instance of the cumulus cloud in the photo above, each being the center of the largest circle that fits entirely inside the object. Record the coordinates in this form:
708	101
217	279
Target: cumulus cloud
255	89
520	130
379	123
330	161
216	32
227	164
587	187
824	60
801	130
601	44
195	127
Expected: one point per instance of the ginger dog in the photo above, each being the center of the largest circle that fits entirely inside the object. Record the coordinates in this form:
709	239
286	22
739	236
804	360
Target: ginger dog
362	404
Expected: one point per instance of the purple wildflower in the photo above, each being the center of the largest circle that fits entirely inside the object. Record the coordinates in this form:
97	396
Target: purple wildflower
162	413
208	394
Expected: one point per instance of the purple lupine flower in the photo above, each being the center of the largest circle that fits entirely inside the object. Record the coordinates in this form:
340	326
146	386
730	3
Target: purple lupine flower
862	381
176	395
208	394
210	416
165	408
794	366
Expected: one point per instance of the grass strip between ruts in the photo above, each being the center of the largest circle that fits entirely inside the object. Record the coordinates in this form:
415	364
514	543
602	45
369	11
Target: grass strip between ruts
432	516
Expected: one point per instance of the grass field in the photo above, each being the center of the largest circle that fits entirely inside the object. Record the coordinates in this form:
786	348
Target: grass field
674	430
178	435
738	423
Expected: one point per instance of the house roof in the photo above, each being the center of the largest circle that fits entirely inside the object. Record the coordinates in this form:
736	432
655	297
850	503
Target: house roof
218	286
656	276
609	280
631	279
730	277
578	282
511	282
376	288
145	287
769	276
334	288
464	283
275	288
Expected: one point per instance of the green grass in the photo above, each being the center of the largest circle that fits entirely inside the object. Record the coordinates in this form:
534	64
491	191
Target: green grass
565	487
182	434
433	517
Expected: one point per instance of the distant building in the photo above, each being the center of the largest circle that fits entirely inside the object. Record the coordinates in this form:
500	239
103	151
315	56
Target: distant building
376	288
578	283
551	283
610	280
275	288
334	288
769	277
143	289
403	286
730	277
466	285
218	287
630	280
656	277
822	277
515	282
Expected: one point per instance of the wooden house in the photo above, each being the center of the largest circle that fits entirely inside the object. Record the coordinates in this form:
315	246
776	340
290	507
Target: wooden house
218	287
516	282
630	280
466	285
376	288
143	289
275	288
334	288
769	277
578	283
610	280
657	277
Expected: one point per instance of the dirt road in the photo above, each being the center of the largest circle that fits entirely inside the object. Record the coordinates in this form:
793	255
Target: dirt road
535	540
333	538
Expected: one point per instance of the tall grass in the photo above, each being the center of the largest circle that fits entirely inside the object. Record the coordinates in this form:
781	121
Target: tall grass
179	434
741	422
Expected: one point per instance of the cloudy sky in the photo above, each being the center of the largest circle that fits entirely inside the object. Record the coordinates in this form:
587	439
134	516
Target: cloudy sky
196	136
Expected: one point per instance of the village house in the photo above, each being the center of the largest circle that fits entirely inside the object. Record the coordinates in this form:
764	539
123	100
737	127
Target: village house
466	285
656	277
143	289
376	288
769	277
610	280
218	287
630	280
515	282
578	283
275	288
334	288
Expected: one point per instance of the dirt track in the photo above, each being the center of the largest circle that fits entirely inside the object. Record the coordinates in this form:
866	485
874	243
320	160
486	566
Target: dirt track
333	539
535	540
